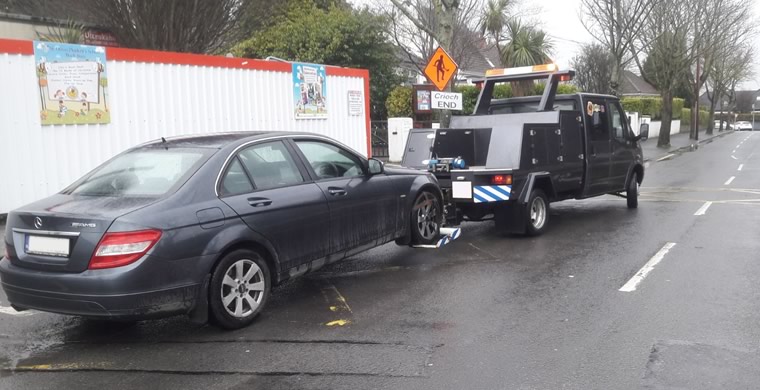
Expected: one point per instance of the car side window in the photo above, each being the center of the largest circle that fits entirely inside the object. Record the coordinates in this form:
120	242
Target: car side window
619	120
270	165
330	161
235	180
599	123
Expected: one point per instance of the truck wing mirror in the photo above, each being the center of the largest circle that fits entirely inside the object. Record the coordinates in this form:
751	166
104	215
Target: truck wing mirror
643	132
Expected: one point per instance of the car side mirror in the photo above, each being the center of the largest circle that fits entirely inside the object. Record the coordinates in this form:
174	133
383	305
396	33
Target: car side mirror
644	132
376	166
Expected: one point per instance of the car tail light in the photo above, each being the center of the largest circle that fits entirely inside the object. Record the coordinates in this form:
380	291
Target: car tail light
120	249
6	253
501	180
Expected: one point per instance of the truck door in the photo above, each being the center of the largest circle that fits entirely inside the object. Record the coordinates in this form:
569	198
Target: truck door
622	145
599	148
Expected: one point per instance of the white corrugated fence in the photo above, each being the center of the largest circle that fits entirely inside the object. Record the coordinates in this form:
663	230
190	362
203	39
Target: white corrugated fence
149	100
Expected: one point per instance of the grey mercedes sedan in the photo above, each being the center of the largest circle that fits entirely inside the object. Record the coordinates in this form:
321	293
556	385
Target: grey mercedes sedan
206	225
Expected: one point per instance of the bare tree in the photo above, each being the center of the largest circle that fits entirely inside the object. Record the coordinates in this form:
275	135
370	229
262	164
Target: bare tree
728	70
671	46
617	25
593	67
419	44
721	24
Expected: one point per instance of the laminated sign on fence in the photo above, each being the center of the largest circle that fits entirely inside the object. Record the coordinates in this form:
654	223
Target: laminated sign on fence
310	90
72	83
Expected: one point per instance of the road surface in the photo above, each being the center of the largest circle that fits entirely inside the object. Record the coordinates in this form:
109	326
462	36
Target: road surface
663	297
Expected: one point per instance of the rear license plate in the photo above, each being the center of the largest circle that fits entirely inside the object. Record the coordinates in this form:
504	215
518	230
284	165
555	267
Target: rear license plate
461	189
47	246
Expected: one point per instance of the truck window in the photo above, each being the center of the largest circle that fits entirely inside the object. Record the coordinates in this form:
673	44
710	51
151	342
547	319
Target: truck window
619	120
599	123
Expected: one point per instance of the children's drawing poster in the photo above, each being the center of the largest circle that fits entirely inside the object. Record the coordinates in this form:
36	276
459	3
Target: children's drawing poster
310	91
73	83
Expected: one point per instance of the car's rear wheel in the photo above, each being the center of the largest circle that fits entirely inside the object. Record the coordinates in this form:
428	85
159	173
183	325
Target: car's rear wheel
537	213
240	286
632	193
426	219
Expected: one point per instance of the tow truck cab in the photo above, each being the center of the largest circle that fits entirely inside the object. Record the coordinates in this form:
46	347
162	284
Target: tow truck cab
513	157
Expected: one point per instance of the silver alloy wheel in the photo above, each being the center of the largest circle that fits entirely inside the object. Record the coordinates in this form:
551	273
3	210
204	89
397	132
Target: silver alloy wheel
242	288
427	215
538	212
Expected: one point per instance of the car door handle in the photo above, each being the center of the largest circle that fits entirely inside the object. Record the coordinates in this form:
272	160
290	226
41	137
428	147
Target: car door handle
259	202
335	191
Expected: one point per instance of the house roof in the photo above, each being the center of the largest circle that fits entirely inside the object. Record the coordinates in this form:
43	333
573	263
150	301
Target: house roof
482	59
632	84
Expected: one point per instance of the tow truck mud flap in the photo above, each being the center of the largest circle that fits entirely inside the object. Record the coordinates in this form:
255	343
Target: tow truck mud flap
447	235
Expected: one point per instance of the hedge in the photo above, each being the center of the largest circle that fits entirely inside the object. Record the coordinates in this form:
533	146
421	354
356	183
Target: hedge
469	98
651	106
399	102
704	117
562	89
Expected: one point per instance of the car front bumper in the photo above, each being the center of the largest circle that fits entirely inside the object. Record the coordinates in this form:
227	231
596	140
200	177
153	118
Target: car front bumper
90	294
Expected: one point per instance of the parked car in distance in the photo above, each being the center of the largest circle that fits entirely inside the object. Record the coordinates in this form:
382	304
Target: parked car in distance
206	225
743	126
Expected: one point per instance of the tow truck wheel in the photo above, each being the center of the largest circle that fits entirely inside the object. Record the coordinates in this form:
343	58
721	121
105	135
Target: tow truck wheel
538	213
632	193
426	219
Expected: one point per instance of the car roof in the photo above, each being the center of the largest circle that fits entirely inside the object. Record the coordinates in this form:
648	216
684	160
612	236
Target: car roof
217	140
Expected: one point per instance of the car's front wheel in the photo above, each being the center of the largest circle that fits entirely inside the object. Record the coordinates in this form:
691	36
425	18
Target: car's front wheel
240	286
426	219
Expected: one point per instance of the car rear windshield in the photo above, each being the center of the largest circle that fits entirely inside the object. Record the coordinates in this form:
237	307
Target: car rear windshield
142	172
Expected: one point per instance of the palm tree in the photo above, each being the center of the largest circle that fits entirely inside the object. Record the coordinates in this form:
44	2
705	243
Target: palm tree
526	46
494	19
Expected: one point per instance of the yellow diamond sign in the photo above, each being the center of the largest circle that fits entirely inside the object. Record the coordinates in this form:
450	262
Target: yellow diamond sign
440	69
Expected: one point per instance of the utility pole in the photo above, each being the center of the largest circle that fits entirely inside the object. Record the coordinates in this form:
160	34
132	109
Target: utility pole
696	103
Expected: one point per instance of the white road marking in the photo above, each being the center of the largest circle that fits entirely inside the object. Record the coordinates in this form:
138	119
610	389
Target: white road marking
11	311
702	210
666	157
729	181
740	167
647	268
734	158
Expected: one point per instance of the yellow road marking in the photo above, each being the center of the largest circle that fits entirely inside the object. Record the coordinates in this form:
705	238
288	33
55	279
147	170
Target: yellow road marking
339	323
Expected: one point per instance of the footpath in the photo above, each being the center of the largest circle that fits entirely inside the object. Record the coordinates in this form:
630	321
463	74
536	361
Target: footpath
678	143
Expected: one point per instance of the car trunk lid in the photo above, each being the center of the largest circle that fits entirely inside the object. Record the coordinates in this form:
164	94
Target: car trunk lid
60	233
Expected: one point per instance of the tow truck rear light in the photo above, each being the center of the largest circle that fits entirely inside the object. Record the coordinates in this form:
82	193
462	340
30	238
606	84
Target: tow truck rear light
120	249
501	180
522	70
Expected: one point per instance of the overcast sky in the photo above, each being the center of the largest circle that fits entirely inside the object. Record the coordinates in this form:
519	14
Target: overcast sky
559	18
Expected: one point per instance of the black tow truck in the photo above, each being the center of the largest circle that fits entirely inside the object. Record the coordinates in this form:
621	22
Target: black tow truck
513	157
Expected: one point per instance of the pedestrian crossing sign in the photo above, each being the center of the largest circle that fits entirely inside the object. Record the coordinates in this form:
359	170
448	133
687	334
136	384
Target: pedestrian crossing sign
440	69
